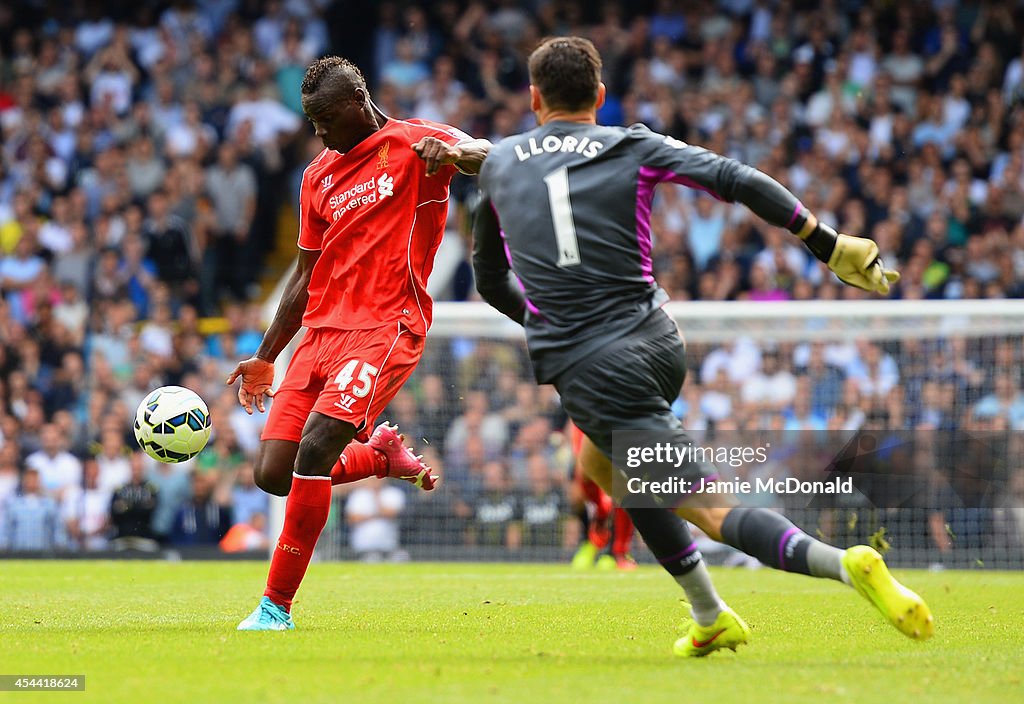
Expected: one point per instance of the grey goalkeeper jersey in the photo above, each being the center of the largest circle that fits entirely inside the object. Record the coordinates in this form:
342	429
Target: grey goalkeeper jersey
567	206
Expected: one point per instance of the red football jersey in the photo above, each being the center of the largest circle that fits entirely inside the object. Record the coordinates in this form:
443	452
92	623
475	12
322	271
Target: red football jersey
377	220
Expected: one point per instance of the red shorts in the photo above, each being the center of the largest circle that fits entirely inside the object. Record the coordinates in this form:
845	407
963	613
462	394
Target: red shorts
350	375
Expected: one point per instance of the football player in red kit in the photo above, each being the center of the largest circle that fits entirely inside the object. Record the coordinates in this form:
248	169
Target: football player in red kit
372	212
617	538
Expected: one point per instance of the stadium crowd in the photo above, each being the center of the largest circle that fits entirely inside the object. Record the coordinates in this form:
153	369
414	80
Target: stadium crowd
150	158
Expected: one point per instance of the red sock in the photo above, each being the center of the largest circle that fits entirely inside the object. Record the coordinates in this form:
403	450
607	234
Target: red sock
602	502
305	515
358	461
623	533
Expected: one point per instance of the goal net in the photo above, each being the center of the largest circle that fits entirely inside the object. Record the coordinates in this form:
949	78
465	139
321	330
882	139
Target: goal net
933	388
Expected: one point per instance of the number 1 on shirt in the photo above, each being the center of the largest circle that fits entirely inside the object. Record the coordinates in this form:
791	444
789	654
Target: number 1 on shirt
561	217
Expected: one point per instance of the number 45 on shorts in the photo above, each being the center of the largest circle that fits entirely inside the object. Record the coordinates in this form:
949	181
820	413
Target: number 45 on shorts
363	385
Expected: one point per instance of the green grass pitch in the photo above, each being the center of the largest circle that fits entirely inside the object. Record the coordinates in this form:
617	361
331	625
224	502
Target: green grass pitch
164	632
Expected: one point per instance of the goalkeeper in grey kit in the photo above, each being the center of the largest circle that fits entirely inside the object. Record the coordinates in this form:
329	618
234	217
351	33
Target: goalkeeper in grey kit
566	211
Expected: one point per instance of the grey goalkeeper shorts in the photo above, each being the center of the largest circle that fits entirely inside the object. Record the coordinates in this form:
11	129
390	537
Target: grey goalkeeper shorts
622	396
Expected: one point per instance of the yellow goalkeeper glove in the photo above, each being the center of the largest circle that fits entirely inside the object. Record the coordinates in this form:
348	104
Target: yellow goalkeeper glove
854	260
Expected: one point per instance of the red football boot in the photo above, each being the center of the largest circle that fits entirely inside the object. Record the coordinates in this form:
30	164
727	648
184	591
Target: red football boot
402	463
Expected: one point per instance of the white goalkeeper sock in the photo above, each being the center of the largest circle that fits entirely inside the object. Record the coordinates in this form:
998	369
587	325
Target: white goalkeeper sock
823	560
705	604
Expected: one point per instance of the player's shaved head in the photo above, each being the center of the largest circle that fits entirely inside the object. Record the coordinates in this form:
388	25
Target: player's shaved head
567	72
329	78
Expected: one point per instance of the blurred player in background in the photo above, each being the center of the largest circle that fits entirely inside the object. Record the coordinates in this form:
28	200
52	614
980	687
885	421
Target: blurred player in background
372	211
606	527
573	199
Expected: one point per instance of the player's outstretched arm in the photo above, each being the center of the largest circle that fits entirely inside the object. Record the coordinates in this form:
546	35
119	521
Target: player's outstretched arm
855	260
257	373
494	278
467	156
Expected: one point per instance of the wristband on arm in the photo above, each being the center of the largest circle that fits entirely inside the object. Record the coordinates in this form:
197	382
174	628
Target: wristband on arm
818	237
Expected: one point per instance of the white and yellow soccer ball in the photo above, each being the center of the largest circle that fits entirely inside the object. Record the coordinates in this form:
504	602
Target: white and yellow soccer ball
172	424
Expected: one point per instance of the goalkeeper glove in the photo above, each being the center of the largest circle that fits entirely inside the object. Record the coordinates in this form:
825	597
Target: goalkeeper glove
854	260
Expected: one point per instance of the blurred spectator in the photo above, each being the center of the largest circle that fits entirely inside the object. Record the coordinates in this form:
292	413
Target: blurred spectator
706	227
9	474
772	388
172	248
58	469
205	518
173	489
145	169
72	312
478	421
372	511
85	510
532	440
248	535
30	518
113	461
133	508
496	508
223	454
876	373
247	499
269	120
905	68
17	274
738	361
1006	401
543	505
433	409
231	185
824	379
157	335
802	416
290	60
405	72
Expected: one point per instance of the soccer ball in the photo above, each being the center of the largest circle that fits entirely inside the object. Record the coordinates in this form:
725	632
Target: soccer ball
172	424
